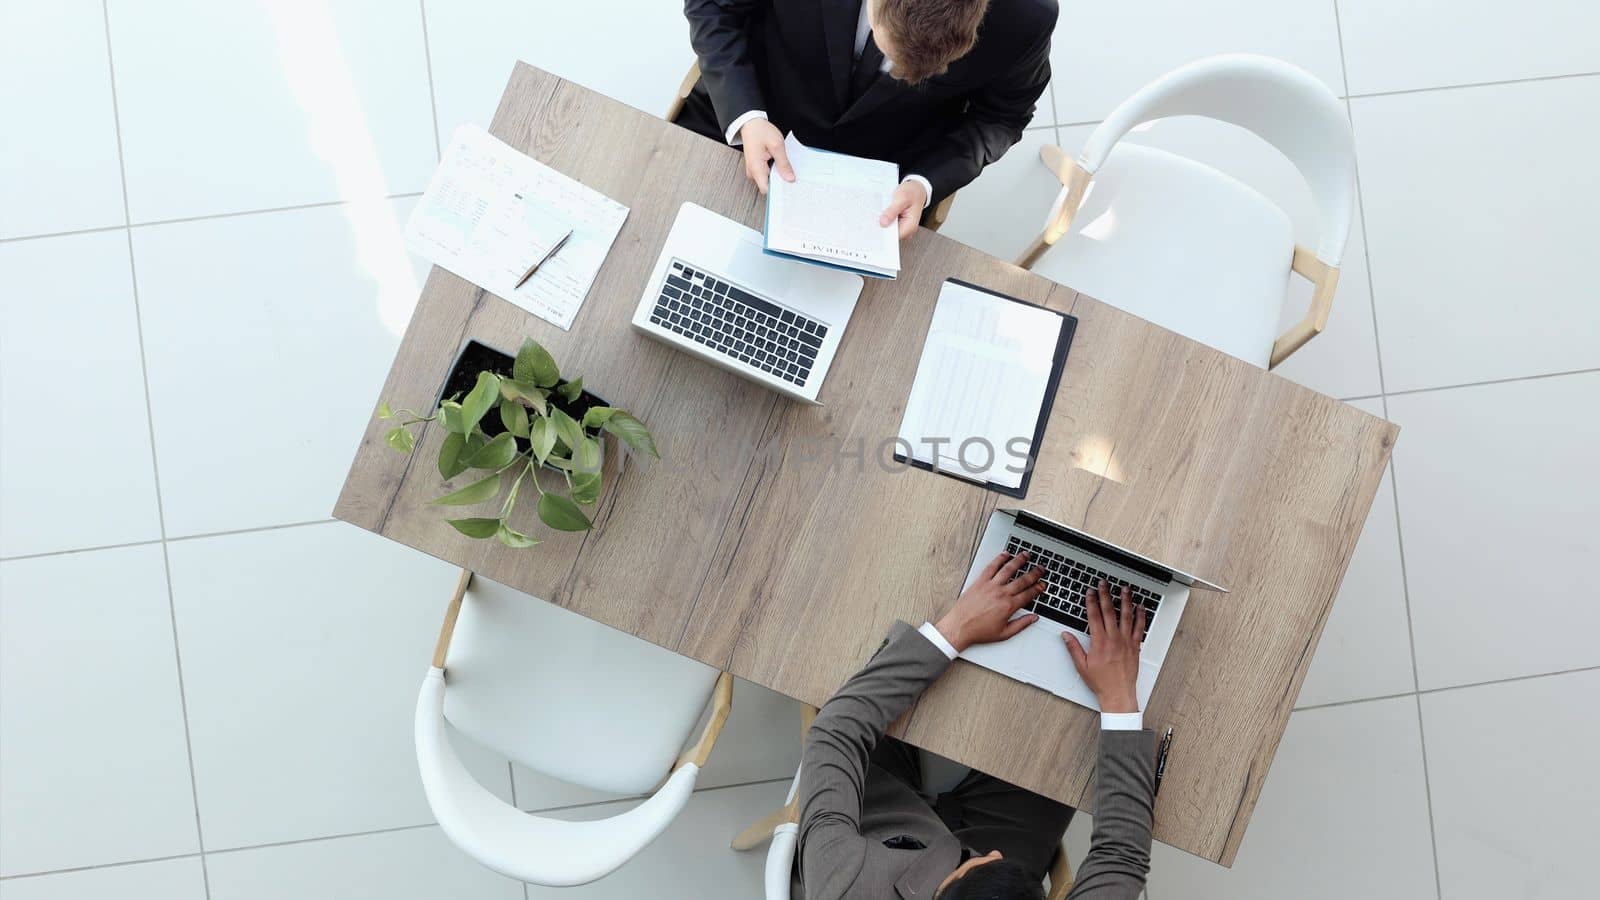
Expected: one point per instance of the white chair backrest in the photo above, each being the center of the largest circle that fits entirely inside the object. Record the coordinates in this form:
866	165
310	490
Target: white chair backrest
566	696
1282	104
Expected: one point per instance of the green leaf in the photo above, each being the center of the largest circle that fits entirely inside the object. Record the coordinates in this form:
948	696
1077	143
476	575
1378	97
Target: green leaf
384	412
483	489
400	439
514	416
513	538
571	389
586	487
589	455
450	464
559	461
497	454
561	514
482	396
475	528
632	432
526	393
597	415
542	435
567	429
450	417
535	364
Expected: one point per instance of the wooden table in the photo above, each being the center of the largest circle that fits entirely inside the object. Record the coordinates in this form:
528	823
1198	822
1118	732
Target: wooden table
745	549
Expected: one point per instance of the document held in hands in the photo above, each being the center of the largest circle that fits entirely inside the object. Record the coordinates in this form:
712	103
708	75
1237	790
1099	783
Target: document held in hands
989	372
491	212
829	214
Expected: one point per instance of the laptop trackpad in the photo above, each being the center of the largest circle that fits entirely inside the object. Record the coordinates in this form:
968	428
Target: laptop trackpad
769	275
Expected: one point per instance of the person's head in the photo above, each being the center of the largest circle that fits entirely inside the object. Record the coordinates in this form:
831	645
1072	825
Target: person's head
991	877
921	38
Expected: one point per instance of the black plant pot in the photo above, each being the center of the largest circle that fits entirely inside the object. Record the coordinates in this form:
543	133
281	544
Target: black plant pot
476	357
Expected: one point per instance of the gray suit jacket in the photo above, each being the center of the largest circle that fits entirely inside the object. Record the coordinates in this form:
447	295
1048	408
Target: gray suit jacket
845	816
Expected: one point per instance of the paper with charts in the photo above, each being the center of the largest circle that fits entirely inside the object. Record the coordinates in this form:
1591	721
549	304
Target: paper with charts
491	212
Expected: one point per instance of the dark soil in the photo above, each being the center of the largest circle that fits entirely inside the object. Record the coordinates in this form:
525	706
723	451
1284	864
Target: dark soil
475	358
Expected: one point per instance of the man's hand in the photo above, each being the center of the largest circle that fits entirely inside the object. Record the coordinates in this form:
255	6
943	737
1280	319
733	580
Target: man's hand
906	205
763	144
1111	665
982	614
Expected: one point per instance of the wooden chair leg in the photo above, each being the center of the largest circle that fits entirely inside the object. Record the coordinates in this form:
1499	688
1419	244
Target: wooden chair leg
451	613
758	833
684	89
940	213
721	705
1060	875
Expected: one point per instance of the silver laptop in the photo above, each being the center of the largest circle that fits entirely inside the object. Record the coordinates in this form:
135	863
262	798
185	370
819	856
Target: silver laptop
715	294
1073	563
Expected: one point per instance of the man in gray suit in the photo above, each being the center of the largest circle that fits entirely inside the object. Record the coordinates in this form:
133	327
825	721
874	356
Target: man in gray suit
866	829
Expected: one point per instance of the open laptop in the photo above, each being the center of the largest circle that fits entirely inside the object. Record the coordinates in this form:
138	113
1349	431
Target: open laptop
715	294
1074	562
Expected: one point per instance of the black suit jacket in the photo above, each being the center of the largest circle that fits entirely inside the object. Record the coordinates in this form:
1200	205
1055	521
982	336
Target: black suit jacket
793	58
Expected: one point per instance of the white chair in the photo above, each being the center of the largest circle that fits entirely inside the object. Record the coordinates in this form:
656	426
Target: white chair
1187	247
570	698
783	829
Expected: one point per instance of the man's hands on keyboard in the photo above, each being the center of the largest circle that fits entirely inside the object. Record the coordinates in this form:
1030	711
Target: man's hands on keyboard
1110	667
982	614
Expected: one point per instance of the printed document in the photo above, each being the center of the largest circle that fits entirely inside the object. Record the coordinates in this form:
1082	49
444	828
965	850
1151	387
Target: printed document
829	213
491	212
980	385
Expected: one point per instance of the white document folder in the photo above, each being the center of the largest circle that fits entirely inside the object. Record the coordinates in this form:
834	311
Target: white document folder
989	370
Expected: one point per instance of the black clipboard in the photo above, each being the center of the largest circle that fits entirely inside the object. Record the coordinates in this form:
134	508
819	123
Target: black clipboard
1069	327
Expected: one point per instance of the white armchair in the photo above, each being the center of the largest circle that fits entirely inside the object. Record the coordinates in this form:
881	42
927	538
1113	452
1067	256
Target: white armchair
570	698
1187	247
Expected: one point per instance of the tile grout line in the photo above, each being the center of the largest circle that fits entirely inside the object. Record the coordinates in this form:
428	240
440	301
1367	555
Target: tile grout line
1465	84
1491	381
1423	692
716	787
70	870
170	540
98	229
354	834
155	465
1394	481
1494	681
1337	703
318	204
427	59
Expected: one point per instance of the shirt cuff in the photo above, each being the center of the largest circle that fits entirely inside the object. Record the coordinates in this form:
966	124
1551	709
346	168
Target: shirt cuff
1133	721
733	130
938	640
927	189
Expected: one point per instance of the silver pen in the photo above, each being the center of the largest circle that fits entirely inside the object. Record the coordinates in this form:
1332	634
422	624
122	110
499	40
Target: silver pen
542	260
1161	759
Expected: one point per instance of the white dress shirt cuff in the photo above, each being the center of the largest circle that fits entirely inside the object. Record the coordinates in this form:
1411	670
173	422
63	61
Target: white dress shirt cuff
927	189
938	640
1133	721
733	130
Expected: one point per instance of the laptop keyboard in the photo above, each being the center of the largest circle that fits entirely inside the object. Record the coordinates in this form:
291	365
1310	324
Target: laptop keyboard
737	324
1066	580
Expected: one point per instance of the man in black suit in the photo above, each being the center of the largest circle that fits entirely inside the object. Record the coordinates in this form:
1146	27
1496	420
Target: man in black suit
940	87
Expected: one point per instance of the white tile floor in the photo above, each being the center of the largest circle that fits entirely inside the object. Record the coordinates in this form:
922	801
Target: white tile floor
170	730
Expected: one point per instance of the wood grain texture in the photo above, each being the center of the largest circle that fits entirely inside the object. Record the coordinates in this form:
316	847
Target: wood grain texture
778	542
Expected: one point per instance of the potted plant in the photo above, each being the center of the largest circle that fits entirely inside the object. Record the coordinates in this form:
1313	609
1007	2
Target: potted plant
516	415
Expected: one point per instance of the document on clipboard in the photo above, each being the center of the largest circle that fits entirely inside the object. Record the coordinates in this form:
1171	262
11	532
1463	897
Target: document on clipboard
491	212
989	371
